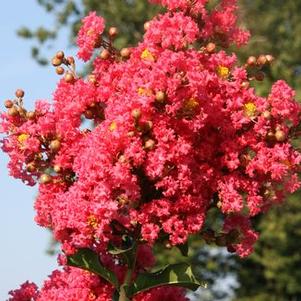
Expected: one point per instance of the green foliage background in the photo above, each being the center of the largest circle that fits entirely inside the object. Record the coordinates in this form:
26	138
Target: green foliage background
273	272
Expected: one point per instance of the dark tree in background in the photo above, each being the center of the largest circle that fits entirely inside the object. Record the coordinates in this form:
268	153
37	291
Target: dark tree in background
273	272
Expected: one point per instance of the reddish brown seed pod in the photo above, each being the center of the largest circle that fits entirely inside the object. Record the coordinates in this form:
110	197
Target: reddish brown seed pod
60	70
45	179
13	111
56	62
19	93
8	103
60	55
210	48
261	60
55	145
69	77
251	61
125	53
113	32
105	54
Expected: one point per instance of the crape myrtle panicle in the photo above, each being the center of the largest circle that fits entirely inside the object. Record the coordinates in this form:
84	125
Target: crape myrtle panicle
177	131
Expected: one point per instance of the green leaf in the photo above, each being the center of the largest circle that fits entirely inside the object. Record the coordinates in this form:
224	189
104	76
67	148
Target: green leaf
180	274
88	260
184	248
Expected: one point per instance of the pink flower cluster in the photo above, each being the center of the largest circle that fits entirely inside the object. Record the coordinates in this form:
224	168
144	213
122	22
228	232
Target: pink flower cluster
89	35
176	131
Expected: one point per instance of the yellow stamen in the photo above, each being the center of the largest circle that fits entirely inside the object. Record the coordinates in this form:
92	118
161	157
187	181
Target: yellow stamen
90	32
250	109
113	126
190	105
223	72
144	91
92	221
147	55
23	138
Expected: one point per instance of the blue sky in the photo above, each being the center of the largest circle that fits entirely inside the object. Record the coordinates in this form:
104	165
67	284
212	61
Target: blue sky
23	243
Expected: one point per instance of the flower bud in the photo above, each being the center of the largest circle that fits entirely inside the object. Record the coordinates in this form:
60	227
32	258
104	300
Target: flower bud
105	54
269	58
8	104
261	60
136	113
251	61
125	53
69	77
113	32
59	70
92	79
60	55
146	26
245	85
45	179
56	62
210	48
280	136
267	115
70	60
20	93
149	144
55	145
57	168
160	96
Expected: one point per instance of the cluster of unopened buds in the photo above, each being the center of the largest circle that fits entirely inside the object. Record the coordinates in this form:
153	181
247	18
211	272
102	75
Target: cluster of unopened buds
148	146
